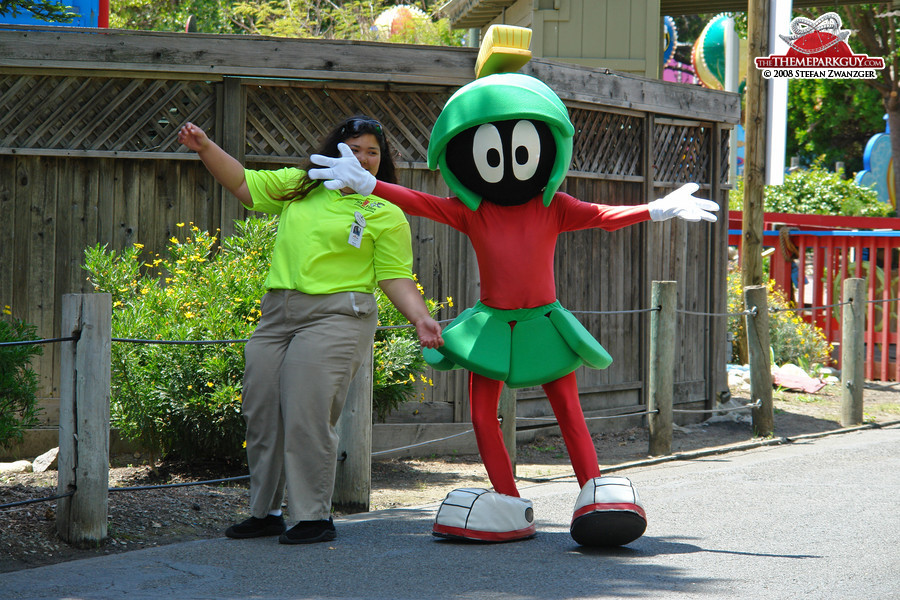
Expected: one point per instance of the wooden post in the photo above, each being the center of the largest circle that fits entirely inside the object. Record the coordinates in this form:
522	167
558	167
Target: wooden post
853	328
81	519
760	360
233	141
662	366
353	481
755	150
508	422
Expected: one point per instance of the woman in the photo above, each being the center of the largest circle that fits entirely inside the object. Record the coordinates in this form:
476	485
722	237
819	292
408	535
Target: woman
318	321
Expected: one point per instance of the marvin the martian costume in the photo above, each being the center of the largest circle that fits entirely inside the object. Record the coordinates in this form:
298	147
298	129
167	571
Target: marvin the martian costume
503	144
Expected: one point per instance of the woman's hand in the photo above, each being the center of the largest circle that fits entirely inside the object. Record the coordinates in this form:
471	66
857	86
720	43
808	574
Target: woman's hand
429	332
193	137
224	167
404	294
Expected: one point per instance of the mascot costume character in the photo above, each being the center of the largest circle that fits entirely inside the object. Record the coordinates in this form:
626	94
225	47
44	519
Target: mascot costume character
503	144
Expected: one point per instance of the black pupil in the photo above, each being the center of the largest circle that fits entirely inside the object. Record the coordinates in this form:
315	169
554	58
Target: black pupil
521	155
493	157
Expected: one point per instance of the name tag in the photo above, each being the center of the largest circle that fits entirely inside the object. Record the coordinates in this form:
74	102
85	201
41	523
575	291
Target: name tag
356	230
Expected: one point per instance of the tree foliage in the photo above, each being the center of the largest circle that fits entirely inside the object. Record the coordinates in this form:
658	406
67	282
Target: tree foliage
875	32
46	10
834	119
323	19
210	16
816	191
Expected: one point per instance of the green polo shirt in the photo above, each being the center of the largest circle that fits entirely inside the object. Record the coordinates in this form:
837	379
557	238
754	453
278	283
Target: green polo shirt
313	251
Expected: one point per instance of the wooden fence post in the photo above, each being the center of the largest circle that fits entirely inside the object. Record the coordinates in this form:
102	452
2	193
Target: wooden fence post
508	422
760	359
662	366
853	328
353	480
81	519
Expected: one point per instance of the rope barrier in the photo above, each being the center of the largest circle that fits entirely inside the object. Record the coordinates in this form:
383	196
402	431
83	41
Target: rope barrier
756	404
138	488
178	342
47	341
33	501
614	312
449	437
598	418
800	309
708	314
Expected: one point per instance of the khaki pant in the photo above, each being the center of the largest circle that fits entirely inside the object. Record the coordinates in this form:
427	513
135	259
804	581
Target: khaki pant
299	363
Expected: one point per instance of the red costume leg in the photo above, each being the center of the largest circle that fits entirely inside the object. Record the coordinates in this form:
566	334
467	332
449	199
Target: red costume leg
484	398
563	396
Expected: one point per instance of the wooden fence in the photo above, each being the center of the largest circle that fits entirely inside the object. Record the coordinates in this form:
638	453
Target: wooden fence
88	155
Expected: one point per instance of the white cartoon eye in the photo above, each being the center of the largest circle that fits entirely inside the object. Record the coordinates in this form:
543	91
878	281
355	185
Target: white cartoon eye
487	150
526	149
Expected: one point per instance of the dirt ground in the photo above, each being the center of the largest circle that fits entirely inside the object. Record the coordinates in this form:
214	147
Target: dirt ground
141	519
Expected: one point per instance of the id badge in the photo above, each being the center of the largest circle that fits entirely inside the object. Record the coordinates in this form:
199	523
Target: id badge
356	230
355	238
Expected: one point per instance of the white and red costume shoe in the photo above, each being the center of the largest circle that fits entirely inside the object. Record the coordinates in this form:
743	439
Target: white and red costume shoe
484	516
608	512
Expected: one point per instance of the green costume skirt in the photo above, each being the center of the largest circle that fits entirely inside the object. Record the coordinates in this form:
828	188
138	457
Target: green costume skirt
546	343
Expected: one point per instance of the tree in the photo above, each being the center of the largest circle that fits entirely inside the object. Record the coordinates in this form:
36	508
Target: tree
834	119
210	16
329	19
875	33
46	10
346	20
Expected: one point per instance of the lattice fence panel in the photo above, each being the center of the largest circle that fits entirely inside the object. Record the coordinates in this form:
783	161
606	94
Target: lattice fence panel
290	121
101	115
681	153
606	143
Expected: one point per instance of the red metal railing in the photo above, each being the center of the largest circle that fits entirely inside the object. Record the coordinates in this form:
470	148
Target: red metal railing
810	264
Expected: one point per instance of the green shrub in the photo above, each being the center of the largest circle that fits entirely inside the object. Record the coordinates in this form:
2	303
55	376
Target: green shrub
399	365
792	339
816	191
185	400
18	382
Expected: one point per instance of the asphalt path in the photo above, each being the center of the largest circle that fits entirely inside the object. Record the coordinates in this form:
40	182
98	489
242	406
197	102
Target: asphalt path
813	519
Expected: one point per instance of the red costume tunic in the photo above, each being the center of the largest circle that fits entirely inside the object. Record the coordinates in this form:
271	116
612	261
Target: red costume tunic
515	247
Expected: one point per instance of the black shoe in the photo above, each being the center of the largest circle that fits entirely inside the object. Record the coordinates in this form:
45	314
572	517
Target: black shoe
253	527
309	532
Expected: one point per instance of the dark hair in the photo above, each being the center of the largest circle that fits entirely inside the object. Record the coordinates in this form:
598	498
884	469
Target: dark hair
351	127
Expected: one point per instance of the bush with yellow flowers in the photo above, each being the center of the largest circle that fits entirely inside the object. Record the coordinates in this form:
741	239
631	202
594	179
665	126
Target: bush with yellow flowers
399	364
792	339
18	381
184	400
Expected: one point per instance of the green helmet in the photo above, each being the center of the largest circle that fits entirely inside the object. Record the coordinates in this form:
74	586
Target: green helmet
501	97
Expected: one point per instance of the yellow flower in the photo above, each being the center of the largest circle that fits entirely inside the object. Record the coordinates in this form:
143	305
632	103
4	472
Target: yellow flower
173	239
7	310
209	384
138	246
180	224
450	301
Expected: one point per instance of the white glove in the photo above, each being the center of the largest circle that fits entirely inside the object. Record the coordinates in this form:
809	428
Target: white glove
681	203
343	172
